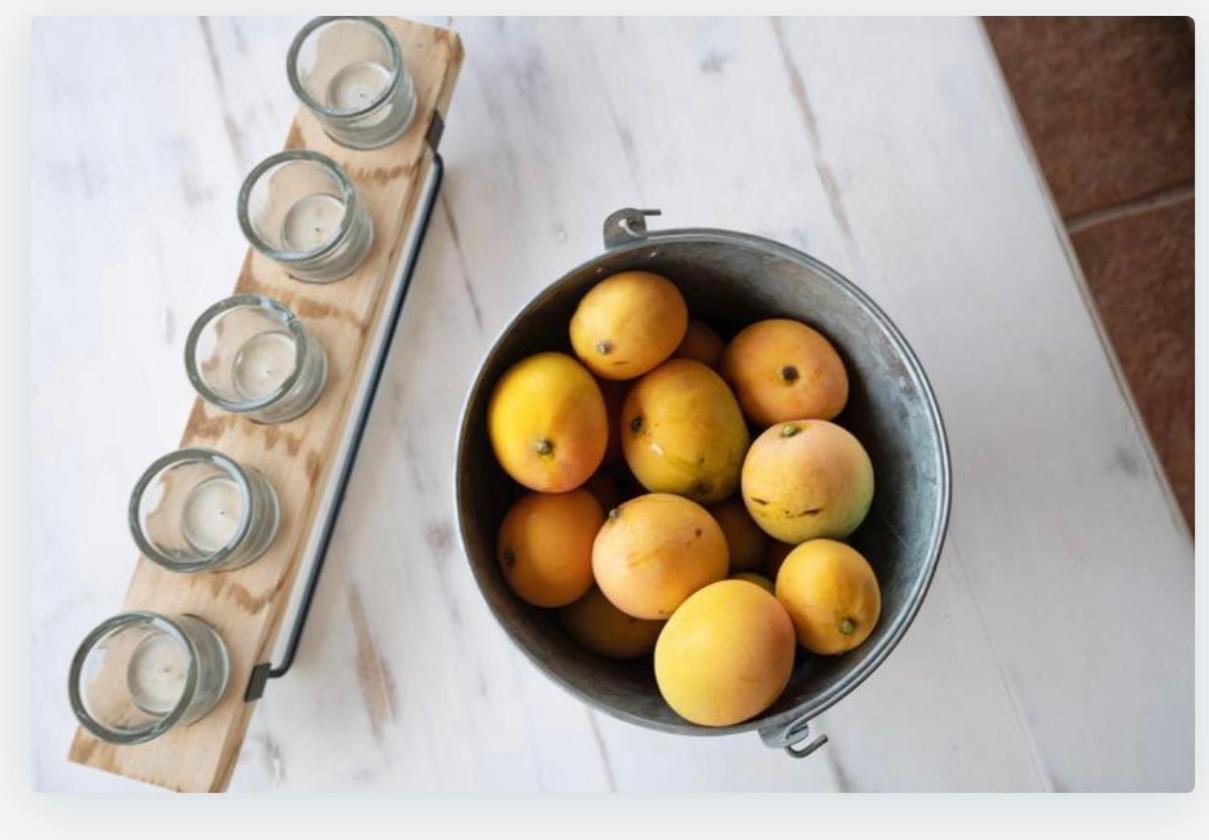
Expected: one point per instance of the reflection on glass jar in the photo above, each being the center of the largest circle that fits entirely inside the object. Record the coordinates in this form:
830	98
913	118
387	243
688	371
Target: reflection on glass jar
250	355
139	674
351	74
300	210
196	510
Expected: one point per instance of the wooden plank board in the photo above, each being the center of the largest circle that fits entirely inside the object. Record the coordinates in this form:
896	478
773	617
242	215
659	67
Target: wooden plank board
300	457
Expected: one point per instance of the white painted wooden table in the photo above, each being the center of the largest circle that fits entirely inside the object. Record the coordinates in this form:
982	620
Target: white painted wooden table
1054	650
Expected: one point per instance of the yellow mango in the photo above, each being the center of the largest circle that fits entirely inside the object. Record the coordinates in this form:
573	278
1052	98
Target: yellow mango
628	323
599	626
784	370
831	594
758	579
654	551
545	546
682	432
701	344
547	423
746	541
805	479
726	655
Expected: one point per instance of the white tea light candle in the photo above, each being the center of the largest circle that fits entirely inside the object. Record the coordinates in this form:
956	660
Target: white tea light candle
157	673
250	355
357	86
139	674
196	510
211	515
263	363
300	210
351	74
312	223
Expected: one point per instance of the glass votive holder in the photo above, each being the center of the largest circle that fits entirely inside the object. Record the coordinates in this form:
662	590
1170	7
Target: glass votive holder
351	74
248	354
139	674
196	510
300	210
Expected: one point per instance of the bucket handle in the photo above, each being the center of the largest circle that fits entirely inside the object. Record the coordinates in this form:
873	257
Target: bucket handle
795	737
627	225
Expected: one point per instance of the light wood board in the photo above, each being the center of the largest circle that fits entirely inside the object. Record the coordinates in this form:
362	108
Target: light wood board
300	457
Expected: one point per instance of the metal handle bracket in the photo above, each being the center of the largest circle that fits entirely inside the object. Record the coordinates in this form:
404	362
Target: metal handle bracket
626	225
262	672
789	737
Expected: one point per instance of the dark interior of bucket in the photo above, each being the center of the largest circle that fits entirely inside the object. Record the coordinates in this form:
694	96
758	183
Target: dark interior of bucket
729	284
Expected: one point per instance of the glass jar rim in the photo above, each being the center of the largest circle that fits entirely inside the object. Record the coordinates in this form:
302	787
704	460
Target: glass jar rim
105	628
291	66
234	302
181	456
348	195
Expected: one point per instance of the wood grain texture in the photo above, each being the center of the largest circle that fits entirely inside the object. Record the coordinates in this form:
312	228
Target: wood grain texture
886	148
300	457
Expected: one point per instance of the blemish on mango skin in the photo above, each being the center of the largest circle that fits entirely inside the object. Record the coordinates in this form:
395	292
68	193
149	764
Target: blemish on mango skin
808	512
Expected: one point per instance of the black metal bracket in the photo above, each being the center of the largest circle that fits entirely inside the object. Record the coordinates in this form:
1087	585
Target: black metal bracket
626	225
264	671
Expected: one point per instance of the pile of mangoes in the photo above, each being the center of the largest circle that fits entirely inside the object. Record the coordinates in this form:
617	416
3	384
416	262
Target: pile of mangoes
655	522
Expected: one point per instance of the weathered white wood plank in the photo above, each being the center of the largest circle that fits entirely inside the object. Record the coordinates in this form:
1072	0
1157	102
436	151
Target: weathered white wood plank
131	217
1054	648
1073	556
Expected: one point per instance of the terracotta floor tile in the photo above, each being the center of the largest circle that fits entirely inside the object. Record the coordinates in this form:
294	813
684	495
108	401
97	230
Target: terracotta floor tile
1140	269
1108	103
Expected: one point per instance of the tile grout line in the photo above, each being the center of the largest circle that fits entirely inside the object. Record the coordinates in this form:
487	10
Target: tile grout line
1126	209
1089	303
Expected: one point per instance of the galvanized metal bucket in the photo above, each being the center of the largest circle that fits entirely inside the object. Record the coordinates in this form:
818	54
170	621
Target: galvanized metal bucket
730	280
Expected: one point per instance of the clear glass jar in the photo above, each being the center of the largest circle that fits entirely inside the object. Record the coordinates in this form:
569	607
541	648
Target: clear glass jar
300	210
352	75
248	354
139	674
196	510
